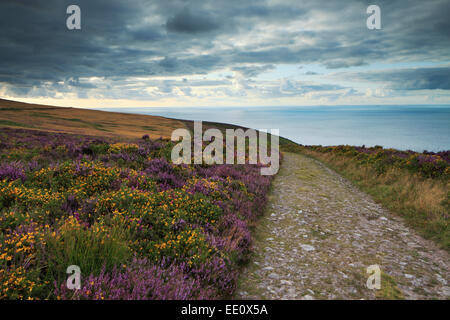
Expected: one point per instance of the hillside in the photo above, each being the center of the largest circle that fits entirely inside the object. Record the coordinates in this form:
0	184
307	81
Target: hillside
83	121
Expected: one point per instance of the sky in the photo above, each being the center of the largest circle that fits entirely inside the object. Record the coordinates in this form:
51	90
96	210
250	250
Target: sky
140	53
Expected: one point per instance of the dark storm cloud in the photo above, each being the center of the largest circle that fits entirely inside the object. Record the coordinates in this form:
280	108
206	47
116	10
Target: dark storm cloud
137	38
188	22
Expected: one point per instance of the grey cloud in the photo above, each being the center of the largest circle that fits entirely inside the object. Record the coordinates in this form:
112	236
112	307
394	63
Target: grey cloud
345	63
408	79
188	22
138	38
146	34
168	63
251	71
294	88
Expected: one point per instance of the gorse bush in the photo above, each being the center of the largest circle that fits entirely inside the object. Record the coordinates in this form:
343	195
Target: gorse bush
138	226
93	249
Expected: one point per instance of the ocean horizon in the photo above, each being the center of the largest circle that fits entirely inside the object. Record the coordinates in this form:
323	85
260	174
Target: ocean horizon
417	128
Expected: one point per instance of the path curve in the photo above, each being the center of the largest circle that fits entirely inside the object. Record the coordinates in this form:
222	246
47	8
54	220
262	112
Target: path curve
319	235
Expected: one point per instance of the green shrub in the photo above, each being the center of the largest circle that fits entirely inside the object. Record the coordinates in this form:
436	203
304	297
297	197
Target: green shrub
89	248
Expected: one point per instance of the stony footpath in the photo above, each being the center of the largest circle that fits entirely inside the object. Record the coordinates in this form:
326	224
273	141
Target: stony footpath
319	235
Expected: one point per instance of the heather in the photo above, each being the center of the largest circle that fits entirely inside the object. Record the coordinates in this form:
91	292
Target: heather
426	164
411	184
138	226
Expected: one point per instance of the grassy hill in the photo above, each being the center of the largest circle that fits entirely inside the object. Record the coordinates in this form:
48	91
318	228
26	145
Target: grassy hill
83	121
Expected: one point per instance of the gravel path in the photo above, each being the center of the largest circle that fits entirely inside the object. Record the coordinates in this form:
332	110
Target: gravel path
320	234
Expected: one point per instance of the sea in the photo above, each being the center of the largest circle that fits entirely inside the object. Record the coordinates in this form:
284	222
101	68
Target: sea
417	128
